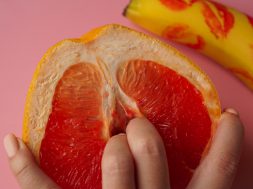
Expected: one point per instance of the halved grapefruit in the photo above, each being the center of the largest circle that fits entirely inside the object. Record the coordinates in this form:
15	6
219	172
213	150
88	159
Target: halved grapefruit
86	90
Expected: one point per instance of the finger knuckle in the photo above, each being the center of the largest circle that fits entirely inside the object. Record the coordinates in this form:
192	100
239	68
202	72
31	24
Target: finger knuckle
228	164
21	165
148	146
115	164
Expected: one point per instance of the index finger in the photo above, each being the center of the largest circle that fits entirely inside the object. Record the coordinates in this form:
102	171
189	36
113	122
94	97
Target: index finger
149	155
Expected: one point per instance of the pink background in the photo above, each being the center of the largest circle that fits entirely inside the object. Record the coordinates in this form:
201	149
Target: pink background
28	28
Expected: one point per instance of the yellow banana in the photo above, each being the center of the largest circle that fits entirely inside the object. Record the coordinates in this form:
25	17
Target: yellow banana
220	32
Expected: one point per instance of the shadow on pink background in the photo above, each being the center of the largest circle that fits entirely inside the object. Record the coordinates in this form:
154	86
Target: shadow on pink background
28	28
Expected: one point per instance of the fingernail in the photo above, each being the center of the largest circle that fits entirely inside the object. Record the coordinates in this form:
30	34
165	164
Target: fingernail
11	145
122	134
232	111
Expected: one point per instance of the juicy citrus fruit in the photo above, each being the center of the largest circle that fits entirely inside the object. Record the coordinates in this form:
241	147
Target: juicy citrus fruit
86	90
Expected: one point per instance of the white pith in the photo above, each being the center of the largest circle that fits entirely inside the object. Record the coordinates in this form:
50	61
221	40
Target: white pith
109	51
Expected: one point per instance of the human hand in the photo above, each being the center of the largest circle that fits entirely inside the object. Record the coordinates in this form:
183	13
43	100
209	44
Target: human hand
143	147
137	159
24	167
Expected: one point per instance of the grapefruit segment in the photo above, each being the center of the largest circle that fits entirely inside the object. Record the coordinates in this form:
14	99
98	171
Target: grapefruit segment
121	116
176	109
72	145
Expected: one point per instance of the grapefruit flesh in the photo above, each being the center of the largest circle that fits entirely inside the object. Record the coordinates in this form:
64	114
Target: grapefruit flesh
74	139
71	150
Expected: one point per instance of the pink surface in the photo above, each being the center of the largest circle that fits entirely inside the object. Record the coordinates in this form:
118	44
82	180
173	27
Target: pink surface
28	28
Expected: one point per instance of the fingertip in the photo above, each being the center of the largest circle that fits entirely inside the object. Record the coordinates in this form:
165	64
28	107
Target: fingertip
140	124
138	121
232	111
9	137
141	135
11	145
230	127
118	136
114	146
132	124
232	120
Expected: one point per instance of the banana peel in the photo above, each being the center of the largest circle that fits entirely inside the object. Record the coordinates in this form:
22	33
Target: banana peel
222	33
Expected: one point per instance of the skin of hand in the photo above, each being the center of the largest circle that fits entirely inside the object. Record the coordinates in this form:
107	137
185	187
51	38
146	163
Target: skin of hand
137	159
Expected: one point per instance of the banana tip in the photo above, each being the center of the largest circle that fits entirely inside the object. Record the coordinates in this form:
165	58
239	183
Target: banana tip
124	13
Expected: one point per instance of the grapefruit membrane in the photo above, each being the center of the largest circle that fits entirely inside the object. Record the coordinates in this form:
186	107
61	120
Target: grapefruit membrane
86	90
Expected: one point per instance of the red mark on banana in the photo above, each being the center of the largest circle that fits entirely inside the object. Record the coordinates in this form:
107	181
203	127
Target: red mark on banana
183	34
250	20
218	18
178	5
